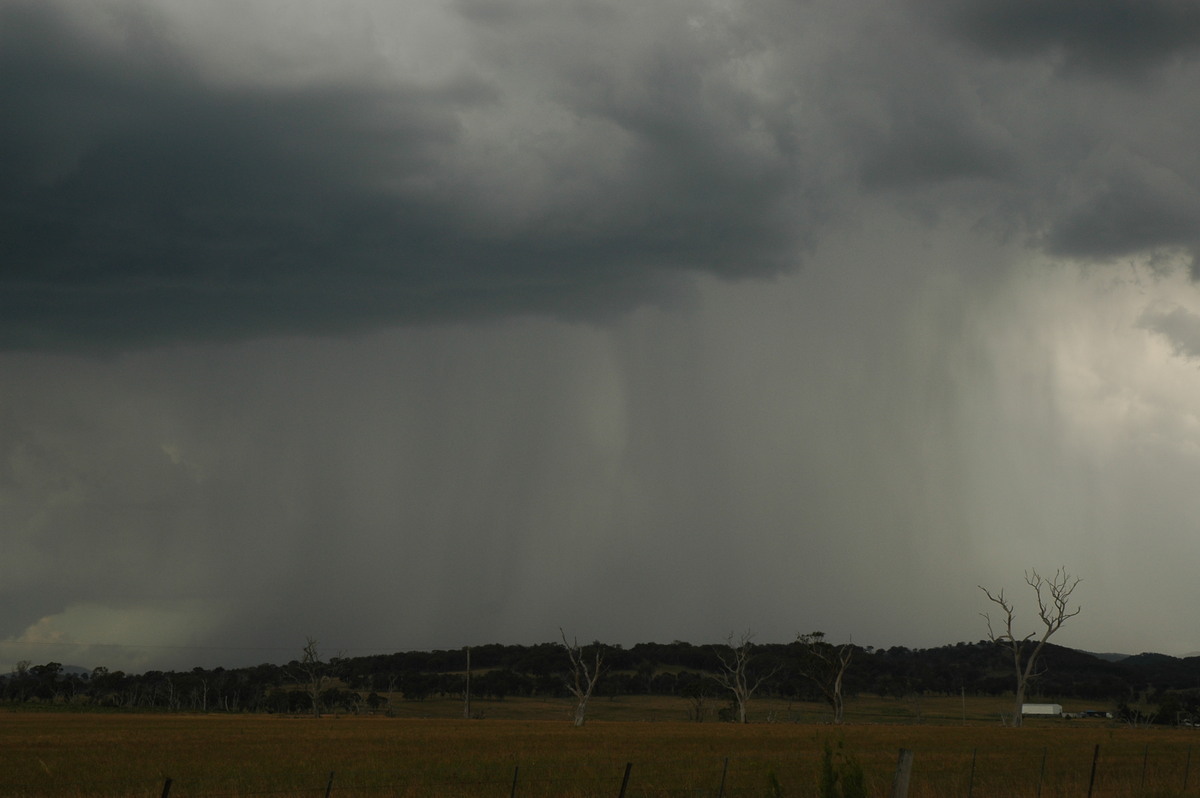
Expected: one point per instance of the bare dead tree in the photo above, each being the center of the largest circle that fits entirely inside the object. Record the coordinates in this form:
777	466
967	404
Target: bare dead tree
310	671
734	674
697	693
825	666
467	686
1053	600
583	676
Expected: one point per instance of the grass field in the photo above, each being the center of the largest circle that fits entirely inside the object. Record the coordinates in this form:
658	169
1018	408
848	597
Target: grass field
60	754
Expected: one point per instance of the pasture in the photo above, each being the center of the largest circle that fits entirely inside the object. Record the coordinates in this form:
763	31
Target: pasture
528	748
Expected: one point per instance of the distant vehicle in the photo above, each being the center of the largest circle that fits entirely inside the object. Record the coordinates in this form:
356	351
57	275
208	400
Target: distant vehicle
1042	710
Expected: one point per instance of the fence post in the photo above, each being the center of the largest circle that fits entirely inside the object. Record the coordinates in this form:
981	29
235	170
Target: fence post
903	772
625	781
167	788
329	785
1042	773
971	780
1095	759
516	770
1187	767
1145	757
724	772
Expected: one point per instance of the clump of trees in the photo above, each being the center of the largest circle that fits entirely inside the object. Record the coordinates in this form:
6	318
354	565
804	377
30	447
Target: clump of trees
809	668
678	669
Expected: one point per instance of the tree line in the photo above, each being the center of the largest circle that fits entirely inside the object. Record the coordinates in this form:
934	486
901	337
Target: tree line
692	672
809	668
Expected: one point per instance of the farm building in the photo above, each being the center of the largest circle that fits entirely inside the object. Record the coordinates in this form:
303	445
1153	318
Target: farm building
1054	710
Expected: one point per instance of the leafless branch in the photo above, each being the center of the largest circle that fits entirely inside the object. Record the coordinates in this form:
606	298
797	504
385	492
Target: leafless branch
827	669
1053	597
734	675
584	676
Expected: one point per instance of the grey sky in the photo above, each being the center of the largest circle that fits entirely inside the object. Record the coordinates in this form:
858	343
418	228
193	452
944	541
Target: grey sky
437	323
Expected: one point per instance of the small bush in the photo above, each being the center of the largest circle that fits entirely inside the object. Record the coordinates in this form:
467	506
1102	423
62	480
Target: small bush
841	775
776	786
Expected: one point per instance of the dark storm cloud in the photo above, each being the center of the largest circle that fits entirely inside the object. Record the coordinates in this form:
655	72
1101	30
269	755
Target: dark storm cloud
908	118
570	159
1128	216
1110	37
927	151
142	201
1089	161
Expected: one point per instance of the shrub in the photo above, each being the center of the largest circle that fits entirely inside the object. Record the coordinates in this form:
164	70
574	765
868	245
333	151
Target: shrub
841	775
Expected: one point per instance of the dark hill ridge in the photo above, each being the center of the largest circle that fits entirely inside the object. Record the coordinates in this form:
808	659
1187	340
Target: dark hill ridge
676	668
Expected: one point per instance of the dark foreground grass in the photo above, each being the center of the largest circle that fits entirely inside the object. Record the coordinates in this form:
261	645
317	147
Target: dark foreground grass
66	755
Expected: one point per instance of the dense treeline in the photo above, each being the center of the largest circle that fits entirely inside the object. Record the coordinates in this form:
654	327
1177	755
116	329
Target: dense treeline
676	669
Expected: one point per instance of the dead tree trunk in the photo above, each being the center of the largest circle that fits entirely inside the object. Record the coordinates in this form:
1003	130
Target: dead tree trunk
734	675
826	667
310	672
1053	598
583	676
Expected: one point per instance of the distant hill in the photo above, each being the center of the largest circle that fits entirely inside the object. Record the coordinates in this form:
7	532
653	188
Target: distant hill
1151	659
678	668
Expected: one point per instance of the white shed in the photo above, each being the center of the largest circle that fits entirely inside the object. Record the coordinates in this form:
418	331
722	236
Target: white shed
1054	710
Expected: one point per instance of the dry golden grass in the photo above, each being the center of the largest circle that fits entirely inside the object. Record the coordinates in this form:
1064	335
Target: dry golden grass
62	755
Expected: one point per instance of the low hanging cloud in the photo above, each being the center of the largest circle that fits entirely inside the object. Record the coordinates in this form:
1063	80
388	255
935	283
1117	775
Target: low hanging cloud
66	636
1178	325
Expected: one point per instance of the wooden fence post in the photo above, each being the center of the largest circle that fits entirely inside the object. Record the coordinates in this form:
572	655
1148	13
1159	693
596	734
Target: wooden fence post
971	780
724	772
516	770
903	772
1095	759
625	781
1042	773
329	785
167	788
1187	767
